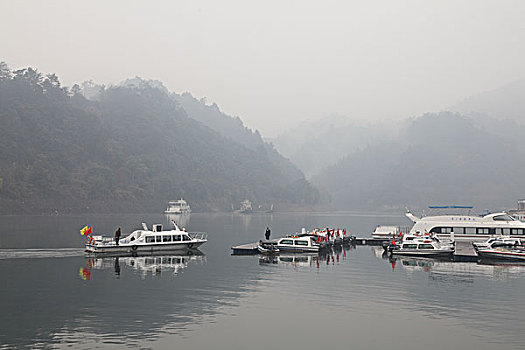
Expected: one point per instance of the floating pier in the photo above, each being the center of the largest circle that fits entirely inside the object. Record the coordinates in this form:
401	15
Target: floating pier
245	249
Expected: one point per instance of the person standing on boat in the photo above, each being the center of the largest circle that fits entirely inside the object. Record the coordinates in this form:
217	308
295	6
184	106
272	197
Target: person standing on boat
117	236
267	233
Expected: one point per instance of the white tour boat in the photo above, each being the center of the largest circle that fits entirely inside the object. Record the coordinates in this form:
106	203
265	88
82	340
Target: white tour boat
147	240
467	227
178	207
246	207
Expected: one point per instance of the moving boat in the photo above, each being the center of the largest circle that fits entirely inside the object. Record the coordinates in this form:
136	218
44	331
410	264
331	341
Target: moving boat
423	246
467	227
147	240
178	207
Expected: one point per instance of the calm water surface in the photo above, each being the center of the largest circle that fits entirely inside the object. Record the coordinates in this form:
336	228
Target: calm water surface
54	296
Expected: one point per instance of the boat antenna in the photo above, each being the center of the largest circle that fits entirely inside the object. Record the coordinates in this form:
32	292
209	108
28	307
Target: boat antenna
175	224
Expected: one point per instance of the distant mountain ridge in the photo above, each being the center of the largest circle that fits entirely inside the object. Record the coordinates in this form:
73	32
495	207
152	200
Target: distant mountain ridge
440	159
132	148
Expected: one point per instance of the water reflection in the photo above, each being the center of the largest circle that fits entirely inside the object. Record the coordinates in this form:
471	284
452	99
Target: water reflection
182	220
152	265
333	256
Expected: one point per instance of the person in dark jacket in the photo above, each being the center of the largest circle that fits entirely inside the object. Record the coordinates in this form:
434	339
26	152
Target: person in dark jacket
117	236
267	233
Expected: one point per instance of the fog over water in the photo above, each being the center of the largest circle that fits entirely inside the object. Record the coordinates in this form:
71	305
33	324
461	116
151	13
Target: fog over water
276	63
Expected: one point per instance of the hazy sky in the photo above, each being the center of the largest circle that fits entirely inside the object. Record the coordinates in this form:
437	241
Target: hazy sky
275	63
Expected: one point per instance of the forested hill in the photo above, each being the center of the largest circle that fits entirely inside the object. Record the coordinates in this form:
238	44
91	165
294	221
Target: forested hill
443	158
132	149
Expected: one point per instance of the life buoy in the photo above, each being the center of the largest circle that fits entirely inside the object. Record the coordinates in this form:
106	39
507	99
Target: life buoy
190	253
134	248
190	245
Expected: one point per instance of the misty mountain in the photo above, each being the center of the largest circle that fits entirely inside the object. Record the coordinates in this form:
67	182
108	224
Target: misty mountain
443	158
132	148
506	102
315	145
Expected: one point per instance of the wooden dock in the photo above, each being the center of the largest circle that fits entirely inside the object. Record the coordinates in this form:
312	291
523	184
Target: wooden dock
245	249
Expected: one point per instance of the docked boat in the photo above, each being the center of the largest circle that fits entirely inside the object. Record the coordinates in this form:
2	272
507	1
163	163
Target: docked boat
268	247
423	246
178	207
385	232
297	244
468	227
498	242
246	207
147	240
501	253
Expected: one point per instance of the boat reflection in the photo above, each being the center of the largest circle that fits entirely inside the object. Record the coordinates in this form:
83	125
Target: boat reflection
464	271
326	257
182	220
145	265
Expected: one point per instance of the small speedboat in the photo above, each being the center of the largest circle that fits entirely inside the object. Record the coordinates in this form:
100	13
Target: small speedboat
498	242
501	253
297	244
424	246
147	240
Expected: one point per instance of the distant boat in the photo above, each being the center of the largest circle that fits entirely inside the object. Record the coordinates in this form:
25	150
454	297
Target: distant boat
178	207
246	207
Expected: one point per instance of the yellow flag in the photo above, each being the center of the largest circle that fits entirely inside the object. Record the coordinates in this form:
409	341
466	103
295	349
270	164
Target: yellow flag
82	231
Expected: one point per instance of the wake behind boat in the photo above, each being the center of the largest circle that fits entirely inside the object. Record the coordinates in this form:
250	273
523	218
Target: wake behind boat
147	240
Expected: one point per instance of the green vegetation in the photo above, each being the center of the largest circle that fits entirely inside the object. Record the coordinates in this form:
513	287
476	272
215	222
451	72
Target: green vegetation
132	149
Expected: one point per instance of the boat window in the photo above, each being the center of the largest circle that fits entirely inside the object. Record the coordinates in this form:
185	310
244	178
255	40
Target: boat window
446	229
498	231
409	246
503	217
470	230
177	238
166	238
301	243
459	230
301	259
482	231
492	231
157	228
286	241
516	231
286	259
435	230
158	238
425	246
150	239
506	231
186	238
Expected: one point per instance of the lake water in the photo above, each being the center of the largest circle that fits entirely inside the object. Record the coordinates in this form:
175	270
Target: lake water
53	296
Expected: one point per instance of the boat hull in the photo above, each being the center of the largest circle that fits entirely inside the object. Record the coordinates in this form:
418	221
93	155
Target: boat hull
299	250
501	255
140	248
426	254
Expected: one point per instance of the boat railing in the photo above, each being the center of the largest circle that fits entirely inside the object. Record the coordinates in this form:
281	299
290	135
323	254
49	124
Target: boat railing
199	235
